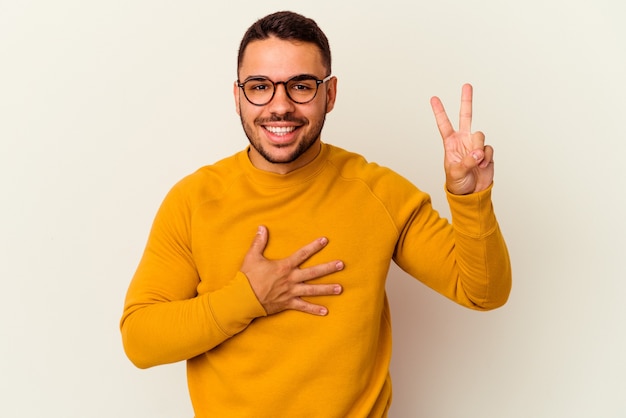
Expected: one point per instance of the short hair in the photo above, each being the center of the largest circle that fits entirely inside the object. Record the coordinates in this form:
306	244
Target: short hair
287	26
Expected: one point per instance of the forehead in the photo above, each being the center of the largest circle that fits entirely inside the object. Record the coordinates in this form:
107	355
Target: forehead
279	59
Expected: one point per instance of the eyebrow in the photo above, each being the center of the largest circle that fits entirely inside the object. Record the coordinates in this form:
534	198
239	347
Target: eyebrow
296	77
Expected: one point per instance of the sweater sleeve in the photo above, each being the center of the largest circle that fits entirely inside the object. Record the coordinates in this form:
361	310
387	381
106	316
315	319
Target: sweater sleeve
465	260
164	318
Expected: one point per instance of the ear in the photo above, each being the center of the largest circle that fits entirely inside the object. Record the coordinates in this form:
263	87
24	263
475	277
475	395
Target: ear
236	94
331	94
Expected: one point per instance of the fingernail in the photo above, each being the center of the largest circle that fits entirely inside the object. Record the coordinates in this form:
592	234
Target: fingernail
337	290
323	240
323	311
339	265
259	230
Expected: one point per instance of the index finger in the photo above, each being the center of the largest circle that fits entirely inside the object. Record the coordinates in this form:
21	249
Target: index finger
465	115
443	122
306	252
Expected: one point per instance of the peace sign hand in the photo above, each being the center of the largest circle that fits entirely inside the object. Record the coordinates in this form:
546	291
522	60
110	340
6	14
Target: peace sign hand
468	162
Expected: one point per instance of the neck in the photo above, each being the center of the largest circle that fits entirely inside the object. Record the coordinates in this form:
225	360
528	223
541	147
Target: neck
260	162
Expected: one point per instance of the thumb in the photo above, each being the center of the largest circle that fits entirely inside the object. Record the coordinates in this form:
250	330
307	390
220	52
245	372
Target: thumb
473	159
259	242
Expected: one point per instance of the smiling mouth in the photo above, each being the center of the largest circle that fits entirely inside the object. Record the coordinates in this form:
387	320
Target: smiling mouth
280	130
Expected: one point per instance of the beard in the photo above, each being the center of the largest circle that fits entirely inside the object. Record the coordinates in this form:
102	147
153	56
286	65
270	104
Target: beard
306	142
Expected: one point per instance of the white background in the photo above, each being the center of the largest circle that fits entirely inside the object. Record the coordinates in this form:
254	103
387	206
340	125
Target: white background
104	105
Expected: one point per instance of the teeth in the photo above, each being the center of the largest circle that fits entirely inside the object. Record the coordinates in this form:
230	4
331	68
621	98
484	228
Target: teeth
280	130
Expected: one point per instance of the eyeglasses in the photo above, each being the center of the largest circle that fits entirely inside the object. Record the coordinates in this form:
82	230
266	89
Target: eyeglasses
300	89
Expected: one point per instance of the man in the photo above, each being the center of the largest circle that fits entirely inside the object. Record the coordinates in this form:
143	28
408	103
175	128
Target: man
296	324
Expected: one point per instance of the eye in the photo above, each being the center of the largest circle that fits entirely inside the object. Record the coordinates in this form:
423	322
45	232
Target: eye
302	86
258	86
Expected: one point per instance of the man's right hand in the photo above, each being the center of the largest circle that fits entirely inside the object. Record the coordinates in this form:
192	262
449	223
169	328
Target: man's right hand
280	284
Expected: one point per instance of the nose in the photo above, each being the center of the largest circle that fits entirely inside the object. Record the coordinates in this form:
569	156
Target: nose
281	103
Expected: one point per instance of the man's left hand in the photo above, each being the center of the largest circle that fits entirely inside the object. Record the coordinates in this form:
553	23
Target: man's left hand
468	162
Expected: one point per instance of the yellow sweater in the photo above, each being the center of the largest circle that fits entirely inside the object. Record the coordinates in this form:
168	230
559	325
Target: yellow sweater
188	300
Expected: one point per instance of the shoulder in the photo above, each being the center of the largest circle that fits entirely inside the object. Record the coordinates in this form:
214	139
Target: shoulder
387	185
350	165
208	182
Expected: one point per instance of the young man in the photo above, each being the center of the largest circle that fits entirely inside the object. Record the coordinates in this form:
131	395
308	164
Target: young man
297	324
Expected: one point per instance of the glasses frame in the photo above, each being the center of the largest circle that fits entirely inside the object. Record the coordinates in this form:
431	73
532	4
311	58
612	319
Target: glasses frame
284	83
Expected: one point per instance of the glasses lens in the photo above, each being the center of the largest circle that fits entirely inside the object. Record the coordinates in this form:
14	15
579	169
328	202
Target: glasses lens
302	90
258	90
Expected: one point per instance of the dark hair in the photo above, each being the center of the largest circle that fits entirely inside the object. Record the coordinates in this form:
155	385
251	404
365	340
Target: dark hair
287	26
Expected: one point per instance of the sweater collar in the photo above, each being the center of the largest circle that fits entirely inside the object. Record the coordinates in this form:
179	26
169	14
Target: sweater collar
273	180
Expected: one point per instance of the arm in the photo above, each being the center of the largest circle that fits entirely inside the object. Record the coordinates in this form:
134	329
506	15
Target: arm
481	256
467	261
164	319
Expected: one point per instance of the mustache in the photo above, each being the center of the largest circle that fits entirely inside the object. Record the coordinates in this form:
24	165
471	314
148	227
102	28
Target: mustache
281	118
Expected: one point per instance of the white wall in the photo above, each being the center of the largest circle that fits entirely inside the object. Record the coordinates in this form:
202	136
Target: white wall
104	105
